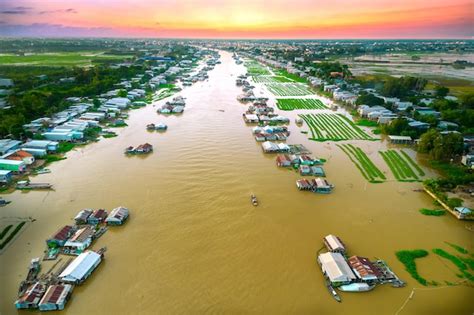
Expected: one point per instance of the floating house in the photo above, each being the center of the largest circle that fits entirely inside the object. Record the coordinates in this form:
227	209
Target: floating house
56	297
334	244
12	165
80	241
316	185
117	216
81	268
141	149
271	147
32	296
335	268
20	155
97	217
59	238
283	160
364	269
82	216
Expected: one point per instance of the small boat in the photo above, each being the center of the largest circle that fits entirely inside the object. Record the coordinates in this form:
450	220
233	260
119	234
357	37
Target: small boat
3	202
333	292
25	184
254	200
43	171
356	287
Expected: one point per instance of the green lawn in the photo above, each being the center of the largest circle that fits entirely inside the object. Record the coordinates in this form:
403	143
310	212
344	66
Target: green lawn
59	59
333	127
363	163
295	103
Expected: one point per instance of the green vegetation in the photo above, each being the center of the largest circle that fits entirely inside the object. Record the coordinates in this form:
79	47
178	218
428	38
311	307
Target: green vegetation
408	257
458	262
333	127
12	235
399	166
366	123
363	163
441	147
288	89
270	79
109	135
33	99
460	249
64	59
50	158
5	231
292	77
64	147
255	68
412	163
295	103
435	213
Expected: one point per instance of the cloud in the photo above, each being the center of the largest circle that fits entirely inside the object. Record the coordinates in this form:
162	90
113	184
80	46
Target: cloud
70	10
16	10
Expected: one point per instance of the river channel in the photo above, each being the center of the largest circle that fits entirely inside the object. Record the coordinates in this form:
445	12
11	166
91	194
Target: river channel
194	244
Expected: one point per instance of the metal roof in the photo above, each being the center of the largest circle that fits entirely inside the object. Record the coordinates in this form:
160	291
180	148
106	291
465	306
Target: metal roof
80	266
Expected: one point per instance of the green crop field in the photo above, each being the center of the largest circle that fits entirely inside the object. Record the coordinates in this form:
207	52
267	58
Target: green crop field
366	167
254	68
270	79
296	103
288	89
402	166
59	59
333	127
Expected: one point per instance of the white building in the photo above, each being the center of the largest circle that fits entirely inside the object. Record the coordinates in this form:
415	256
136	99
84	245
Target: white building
81	268
336	268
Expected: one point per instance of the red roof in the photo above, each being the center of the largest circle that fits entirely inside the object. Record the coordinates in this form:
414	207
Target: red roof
63	233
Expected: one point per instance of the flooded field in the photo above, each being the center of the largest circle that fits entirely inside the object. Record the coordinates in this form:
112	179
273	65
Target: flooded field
194	243
402	64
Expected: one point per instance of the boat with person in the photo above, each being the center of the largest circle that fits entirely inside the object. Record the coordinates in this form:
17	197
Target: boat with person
254	200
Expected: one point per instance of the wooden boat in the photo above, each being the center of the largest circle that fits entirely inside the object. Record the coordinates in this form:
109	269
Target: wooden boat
254	200
25	184
333	292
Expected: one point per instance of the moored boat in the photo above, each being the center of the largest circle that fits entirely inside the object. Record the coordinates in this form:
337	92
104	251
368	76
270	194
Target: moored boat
356	287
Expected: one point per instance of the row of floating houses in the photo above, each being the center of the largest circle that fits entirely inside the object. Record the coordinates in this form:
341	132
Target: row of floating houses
354	273
272	132
51	290
175	106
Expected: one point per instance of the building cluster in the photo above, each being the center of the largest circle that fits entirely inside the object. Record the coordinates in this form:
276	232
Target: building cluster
352	273
51	290
272	133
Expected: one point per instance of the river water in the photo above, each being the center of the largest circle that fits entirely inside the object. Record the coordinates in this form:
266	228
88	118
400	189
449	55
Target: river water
195	245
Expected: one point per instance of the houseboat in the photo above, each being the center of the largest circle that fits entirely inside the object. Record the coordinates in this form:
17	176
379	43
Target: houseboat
141	149
316	185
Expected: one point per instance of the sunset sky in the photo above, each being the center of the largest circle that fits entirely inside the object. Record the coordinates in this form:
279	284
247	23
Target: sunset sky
238	18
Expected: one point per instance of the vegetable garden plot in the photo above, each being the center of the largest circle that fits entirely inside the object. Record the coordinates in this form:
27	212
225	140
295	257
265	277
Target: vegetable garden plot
288	89
333	127
402	166
366	167
295	103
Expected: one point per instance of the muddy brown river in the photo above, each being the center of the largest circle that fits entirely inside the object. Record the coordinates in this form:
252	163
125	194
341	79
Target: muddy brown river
194	244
